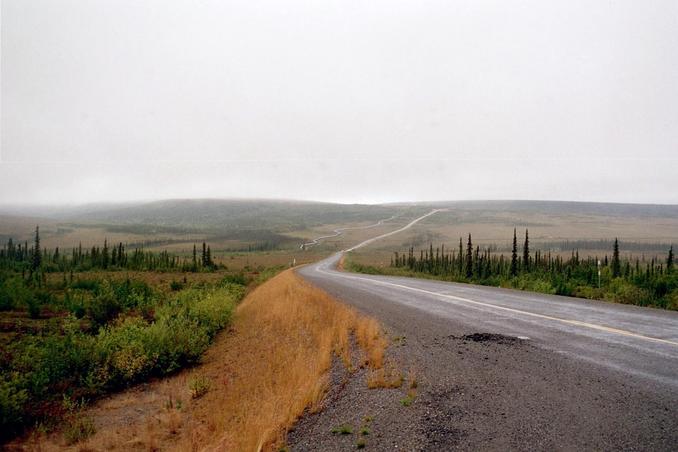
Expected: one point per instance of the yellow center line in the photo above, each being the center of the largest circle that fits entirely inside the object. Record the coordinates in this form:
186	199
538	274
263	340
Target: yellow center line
594	326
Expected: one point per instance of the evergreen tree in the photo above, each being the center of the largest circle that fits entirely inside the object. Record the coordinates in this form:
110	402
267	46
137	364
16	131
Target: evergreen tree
469	258
37	253
669	260
514	255
195	258
616	265
526	253
104	255
204	254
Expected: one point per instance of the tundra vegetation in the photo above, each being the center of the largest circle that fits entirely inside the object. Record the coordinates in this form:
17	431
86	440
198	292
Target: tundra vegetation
272	366
640	280
75	326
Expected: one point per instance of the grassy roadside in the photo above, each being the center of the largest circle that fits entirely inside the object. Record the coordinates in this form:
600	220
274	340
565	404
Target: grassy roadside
258	377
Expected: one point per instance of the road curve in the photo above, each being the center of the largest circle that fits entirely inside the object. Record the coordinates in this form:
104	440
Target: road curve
578	375
339	231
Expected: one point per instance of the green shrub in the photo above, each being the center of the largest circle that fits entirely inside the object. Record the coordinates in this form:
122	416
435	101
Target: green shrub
12	400
176	286
33	306
75	304
91	285
176	342
671	300
123	352
622	291
122	355
132	293
6	302
213	309
14	293
235	278
592	293
543	286
105	306
54	360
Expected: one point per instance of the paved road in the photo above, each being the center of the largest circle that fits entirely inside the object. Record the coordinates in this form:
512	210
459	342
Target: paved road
339	231
578	374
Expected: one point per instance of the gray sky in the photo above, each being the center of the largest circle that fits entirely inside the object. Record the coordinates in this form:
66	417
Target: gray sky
350	101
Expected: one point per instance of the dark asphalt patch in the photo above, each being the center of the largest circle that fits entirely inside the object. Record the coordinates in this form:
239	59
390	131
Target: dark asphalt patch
490	337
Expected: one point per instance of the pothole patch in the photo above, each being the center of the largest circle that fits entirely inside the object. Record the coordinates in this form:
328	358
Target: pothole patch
490	337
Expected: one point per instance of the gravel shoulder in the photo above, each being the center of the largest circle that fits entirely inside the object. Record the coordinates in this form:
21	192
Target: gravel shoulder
479	391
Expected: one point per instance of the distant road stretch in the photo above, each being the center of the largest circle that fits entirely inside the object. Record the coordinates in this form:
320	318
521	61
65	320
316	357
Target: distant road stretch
337	232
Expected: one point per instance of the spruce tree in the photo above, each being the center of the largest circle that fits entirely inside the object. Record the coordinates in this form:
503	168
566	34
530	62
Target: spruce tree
469	258
514	255
204	254
616	265
37	253
526	253
104	255
669	260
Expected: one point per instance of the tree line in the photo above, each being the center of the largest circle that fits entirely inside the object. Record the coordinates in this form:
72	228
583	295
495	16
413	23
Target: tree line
629	280
33	259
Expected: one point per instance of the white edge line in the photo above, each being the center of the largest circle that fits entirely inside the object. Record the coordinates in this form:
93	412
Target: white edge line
503	308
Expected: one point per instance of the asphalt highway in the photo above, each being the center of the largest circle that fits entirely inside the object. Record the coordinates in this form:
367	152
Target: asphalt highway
631	339
503	369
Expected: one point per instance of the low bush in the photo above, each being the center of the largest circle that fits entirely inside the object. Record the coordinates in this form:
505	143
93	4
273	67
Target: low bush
85	284
12	401
42	368
176	286
622	291
672	300
234	278
14	294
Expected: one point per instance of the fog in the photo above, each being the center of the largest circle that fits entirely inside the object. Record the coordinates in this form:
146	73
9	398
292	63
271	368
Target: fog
348	101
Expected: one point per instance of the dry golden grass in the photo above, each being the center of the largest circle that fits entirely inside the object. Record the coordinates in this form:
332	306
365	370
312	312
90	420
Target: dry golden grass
253	260
265	372
388	376
292	331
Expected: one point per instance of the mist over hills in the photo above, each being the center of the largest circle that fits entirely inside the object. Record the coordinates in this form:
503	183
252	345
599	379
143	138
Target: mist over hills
292	214
213	213
565	207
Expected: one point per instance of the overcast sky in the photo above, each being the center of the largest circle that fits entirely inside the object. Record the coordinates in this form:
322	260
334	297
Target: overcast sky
350	101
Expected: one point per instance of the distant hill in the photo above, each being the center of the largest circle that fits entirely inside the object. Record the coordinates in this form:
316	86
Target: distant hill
221	214
567	207
268	224
182	215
